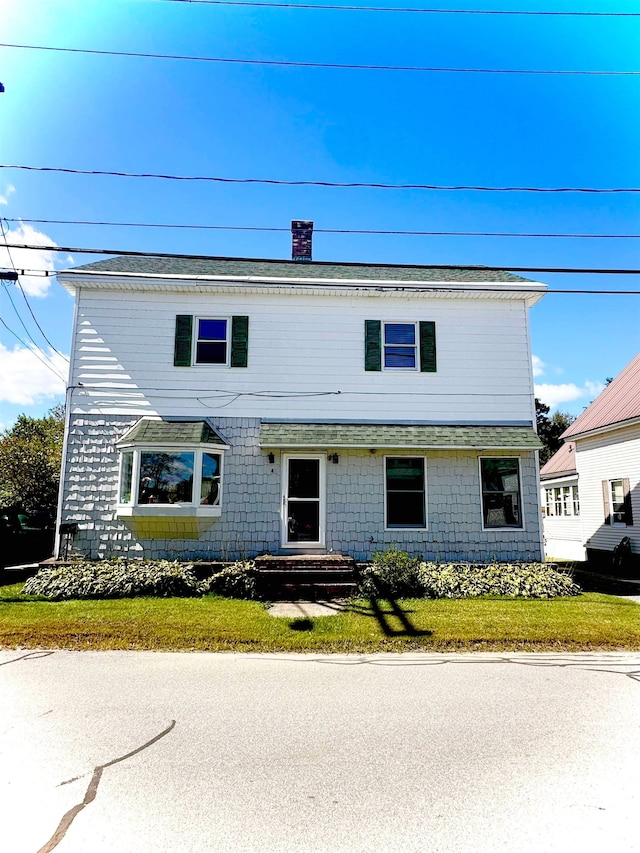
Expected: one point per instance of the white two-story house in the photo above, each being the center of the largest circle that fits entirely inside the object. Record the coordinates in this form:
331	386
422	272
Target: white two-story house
233	407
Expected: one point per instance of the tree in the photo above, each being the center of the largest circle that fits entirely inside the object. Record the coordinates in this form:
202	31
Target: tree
550	429
30	457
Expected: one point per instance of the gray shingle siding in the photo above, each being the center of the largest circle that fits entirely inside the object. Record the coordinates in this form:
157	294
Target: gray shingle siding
251	498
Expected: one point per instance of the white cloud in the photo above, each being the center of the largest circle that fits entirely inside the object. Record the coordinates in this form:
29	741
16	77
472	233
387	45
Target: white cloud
29	259
555	395
4	199
538	365
24	378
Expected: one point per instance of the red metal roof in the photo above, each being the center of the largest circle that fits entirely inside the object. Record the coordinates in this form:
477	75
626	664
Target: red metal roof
562	462
620	401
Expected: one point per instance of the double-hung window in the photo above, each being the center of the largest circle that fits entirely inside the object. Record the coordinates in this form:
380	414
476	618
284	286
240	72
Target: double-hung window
212	340
394	345
500	484
405	488
400	342
617	502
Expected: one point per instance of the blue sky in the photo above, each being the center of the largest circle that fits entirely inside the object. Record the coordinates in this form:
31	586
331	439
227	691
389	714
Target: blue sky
143	115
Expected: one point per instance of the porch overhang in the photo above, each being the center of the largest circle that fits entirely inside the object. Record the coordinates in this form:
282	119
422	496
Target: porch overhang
283	435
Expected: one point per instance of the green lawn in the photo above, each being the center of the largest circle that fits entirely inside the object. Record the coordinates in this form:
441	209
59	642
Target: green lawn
589	621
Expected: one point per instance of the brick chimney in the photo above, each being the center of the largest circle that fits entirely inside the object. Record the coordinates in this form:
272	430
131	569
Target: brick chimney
301	237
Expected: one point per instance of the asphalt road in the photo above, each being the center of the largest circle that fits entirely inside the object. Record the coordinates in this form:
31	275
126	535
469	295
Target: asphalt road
153	752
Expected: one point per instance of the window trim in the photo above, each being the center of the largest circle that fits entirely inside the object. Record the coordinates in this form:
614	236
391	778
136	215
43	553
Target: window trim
493	529
415	346
196	339
194	507
425	505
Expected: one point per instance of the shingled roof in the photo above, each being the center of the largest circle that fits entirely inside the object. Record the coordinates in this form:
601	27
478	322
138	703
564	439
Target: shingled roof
264	268
396	436
619	402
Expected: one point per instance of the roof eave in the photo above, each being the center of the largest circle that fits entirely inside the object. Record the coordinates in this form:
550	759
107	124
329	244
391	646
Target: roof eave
576	436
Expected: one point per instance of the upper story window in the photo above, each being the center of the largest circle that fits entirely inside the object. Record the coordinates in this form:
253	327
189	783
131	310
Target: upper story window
212	343
390	345
617	502
500	484
222	341
400	346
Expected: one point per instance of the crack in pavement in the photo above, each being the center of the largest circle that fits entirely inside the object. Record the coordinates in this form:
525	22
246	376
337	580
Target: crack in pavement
92	790
28	656
594	664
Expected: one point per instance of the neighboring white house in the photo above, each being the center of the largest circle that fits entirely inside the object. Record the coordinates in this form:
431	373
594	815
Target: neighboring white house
605	466
562	524
228	407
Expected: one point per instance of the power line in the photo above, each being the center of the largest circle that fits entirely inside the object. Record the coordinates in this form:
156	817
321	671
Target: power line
129	253
331	184
407	9
274	229
302	64
45	361
24	295
17	313
421	290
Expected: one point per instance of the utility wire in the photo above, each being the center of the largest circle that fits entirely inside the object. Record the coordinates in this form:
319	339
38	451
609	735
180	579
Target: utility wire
334	65
332	184
24	295
426	289
406	9
323	230
129	253
35	352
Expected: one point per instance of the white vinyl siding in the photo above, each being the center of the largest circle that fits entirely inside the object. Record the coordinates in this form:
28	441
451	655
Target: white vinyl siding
614	455
302	345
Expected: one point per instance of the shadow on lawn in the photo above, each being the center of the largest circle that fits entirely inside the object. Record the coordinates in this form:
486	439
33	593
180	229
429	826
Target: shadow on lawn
384	614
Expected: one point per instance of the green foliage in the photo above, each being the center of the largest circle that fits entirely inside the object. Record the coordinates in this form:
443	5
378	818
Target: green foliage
396	574
30	457
550	429
114	579
469	580
393	573
235	581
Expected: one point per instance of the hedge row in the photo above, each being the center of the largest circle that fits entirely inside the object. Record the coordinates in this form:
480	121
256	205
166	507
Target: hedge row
397	574
392	573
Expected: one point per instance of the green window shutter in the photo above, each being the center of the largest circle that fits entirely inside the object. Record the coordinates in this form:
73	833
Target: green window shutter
182	349
372	345
239	341
427	346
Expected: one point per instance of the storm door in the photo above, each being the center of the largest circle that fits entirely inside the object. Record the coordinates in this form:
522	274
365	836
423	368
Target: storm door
303	496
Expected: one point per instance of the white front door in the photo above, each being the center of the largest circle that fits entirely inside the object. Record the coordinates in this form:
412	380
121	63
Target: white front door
303	501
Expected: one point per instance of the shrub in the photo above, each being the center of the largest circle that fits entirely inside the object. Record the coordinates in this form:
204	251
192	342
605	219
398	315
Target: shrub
238	580
114	579
396	574
392	573
467	580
